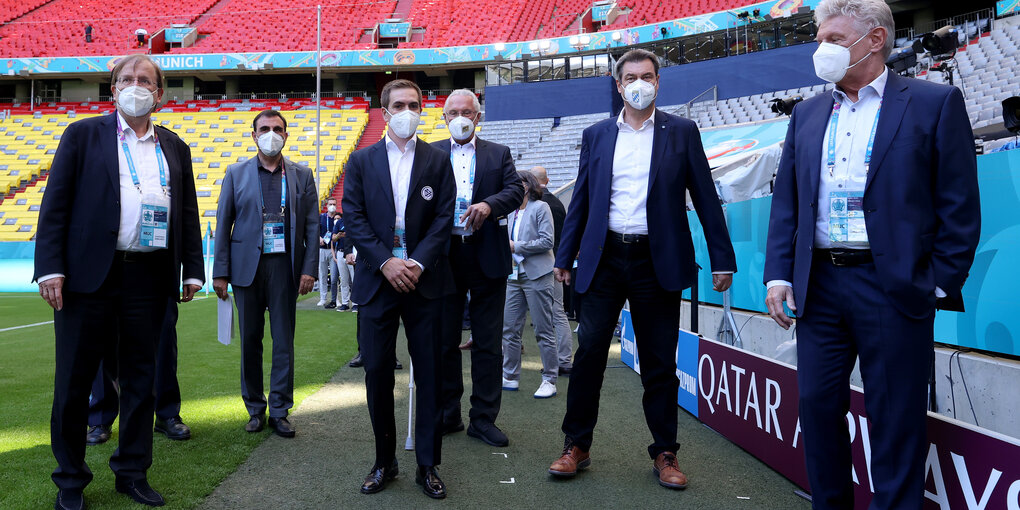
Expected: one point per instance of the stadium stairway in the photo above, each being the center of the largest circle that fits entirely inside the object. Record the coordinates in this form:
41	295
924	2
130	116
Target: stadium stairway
373	132
209	13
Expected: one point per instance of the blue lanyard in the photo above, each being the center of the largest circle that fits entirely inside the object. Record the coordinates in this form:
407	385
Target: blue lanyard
131	161
833	119
513	235
283	190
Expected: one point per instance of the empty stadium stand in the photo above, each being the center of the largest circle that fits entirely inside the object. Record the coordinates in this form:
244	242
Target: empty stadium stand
37	28
217	140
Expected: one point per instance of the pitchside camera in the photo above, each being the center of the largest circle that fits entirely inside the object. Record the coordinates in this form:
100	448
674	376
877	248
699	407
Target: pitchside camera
1011	114
902	60
785	106
943	41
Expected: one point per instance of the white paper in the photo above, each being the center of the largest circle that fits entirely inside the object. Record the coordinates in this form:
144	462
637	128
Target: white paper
225	320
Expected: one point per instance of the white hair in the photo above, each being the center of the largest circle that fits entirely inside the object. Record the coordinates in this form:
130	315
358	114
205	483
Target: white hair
866	15
463	92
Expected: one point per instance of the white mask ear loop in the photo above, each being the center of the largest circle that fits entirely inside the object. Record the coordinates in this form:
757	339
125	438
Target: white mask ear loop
851	66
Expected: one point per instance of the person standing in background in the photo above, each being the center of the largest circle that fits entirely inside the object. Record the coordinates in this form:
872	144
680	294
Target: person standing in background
564	335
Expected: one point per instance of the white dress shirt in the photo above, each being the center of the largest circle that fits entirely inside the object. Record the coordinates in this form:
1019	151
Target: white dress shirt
143	152
461	157
401	163
632	163
853	132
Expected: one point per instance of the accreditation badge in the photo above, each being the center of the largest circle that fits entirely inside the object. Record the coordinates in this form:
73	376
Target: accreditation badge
399	240
846	217
273	239
154	220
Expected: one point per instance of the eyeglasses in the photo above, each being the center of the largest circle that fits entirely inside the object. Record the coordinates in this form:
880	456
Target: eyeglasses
463	113
141	81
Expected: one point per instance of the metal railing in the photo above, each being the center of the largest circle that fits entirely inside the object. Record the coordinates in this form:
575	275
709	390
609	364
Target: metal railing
709	95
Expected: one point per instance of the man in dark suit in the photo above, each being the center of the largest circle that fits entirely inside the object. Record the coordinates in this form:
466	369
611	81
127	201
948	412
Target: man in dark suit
267	249
398	202
627	228
487	189
118	223
564	335
875	216
103	405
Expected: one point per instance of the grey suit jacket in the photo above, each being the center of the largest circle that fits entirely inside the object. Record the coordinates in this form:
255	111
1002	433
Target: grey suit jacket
534	239
239	223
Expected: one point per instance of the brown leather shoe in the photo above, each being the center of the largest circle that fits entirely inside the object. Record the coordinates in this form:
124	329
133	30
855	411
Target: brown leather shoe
572	460
668	471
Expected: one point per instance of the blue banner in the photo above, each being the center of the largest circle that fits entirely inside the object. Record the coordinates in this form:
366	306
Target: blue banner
407	57
177	35
390	30
601	12
628	347
1005	7
687	357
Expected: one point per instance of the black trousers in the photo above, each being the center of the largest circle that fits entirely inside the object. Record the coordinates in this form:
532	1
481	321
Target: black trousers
625	272
272	288
486	308
847	316
103	405
124	315
378	322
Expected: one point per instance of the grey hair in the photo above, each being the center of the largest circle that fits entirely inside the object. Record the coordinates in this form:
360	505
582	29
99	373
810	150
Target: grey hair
464	92
866	15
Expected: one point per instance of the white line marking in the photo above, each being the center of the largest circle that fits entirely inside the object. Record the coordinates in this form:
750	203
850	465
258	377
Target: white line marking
26	326
500	453
506	481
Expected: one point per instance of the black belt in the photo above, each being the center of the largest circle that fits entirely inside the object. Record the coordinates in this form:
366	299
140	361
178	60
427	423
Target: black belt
139	256
469	239
842	258
628	238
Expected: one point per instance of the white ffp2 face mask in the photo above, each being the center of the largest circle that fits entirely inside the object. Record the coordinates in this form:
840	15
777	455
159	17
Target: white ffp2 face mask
639	94
832	61
135	101
404	124
270	143
461	128
331	209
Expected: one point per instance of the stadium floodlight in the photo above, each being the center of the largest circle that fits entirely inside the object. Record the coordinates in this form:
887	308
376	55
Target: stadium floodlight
533	46
585	39
943	41
617	36
1011	114
784	106
574	40
499	47
544	44
902	60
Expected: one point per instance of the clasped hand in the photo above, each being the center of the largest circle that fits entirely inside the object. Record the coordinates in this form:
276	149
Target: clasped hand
402	274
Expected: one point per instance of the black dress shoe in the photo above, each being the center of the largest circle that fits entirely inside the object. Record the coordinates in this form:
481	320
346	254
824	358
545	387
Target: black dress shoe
98	434
488	433
282	427
256	423
173	428
69	499
430	483
565	371
331	304
397	365
140	491
377	478
450	428
356	362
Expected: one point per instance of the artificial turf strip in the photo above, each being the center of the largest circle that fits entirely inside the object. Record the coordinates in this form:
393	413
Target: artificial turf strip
183	471
323	467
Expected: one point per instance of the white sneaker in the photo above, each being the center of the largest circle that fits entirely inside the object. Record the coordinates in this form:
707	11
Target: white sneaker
321	302
509	385
546	390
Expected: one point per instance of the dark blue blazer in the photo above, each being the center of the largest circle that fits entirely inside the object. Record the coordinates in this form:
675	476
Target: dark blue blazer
370	218
678	165
497	184
80	213
920	200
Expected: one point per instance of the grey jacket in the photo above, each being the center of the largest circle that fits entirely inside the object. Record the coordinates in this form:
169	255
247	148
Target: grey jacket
535	239
239	223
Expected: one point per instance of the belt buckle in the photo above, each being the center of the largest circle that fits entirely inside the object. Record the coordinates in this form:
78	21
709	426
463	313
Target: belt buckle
626	238
836	259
